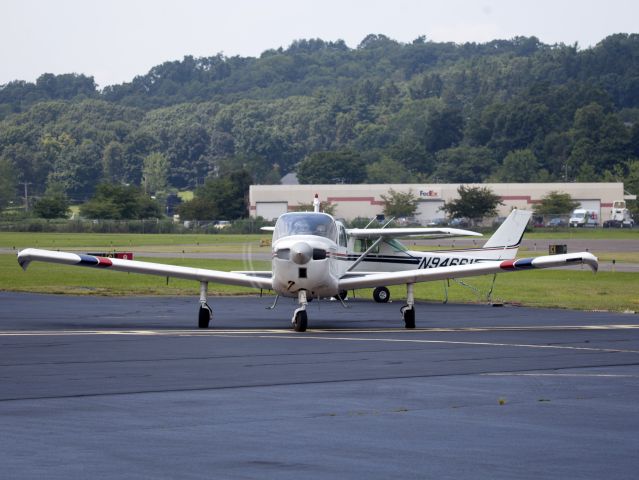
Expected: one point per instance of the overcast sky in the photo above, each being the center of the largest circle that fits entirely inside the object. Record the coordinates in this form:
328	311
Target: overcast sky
115	40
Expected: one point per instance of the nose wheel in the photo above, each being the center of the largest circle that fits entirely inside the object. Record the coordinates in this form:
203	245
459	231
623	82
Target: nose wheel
300	319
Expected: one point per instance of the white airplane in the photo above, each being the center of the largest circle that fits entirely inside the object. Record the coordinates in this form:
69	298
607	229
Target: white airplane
378	250
311	260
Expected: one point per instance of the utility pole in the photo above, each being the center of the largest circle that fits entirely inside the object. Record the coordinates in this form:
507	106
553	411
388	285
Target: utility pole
26	196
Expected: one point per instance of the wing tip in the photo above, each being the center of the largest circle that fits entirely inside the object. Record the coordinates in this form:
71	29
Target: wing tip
24	259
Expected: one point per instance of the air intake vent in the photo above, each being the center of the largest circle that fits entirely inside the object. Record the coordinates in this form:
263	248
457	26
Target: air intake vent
283	253
319	254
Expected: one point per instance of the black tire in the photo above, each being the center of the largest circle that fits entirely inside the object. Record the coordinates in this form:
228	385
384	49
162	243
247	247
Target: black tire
342	295
409	317
204	316
301	321
381	295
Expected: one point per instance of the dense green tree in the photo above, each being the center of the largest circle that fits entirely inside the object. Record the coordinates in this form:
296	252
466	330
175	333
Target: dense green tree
342	166
199	208
120	202
154	173
387	170
520	166
220	198
399	204
8	182
473	203
555	203
444	111
463	164
54	203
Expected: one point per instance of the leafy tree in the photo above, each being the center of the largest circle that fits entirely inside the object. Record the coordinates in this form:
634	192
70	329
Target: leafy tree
154	173
120	202
331	167
199	208
463	164
222	198
473	203
7	182
520	166
400	204
555	203
387	170
54	204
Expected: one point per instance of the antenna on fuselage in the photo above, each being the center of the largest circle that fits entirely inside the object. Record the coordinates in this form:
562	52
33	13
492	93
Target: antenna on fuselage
316	204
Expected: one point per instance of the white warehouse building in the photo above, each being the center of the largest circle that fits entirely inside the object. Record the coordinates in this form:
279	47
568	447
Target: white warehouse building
365	200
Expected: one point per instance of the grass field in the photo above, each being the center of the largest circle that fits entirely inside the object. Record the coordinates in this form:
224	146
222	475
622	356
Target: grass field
578	289
136	241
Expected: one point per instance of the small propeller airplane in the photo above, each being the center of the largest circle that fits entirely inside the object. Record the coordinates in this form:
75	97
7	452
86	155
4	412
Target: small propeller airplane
311	259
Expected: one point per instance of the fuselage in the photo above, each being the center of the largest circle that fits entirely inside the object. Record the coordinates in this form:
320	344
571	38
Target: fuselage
312	251
309	252
392	256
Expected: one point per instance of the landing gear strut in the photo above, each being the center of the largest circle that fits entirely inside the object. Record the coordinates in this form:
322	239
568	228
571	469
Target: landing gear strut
205	313
381	295
408	310
300	319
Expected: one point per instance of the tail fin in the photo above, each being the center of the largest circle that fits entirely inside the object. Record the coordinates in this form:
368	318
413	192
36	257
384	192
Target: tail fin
506	240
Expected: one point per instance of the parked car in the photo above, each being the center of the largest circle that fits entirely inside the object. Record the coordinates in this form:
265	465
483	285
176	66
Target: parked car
557	222
437	222
459	223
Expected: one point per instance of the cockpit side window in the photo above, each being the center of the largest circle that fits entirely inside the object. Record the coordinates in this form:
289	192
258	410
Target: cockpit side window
363	244
342	236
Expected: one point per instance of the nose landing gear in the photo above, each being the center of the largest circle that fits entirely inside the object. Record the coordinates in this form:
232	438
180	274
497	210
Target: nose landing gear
300	319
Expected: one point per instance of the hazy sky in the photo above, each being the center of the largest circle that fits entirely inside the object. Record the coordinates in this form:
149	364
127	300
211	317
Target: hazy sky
115	40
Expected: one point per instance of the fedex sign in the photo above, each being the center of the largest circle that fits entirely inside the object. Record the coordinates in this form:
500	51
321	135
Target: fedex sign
428	194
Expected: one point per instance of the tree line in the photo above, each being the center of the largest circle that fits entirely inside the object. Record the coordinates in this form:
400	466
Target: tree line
511	110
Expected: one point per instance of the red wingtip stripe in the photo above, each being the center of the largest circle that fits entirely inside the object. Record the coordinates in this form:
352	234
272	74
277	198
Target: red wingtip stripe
507	264
104	262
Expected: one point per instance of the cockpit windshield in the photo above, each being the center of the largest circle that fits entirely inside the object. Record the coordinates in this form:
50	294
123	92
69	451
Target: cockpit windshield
305	223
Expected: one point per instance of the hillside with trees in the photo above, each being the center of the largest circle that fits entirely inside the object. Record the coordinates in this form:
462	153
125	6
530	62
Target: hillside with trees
504	111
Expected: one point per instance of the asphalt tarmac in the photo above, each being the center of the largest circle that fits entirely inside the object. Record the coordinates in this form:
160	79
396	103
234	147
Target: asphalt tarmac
103	387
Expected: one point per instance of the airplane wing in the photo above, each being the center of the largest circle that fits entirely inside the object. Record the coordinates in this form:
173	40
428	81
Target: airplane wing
244	279
410	232
355	280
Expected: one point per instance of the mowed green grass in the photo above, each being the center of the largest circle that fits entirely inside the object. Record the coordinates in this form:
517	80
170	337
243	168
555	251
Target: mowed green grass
124	241
21	240
574	289
571	289
583	233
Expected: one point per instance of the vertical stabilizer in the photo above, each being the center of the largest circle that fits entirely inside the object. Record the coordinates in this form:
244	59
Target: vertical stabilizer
509	235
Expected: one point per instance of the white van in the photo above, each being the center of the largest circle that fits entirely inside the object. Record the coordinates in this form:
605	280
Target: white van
584	218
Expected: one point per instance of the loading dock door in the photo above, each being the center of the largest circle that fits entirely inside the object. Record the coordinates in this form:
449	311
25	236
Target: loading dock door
429	210
593	205
270	210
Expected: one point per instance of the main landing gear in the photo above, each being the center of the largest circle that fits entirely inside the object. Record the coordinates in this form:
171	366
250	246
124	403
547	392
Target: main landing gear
300	319
381	295
408	310
205	313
